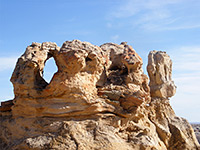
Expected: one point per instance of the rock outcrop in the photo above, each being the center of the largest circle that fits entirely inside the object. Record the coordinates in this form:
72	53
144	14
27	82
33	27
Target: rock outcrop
196	128
98	99
160	73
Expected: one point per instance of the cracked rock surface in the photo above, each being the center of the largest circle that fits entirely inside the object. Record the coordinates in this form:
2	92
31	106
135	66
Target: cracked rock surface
160	73
98	99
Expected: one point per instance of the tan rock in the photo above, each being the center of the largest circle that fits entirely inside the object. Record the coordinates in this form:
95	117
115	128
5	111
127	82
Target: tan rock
72	90
27	76
175	132
98	99
124	68
160	73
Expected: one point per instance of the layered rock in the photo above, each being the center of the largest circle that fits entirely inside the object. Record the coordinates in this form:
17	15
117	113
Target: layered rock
160	73
125	80
86	75
72	90
98	99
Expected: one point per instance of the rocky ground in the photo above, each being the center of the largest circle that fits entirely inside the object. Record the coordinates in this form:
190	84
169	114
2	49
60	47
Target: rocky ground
196	127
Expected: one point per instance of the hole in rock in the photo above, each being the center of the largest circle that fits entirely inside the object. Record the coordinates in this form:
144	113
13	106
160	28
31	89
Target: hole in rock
114	68
88	59
49	69
124	71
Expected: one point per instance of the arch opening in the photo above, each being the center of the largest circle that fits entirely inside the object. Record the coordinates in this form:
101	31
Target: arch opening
50	69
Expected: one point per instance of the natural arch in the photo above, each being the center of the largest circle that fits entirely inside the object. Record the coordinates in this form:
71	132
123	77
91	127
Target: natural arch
49	69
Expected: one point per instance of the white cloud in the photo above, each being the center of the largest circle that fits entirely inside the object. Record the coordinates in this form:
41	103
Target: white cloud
130	8
186	75
7	63
186	66
186	59
167	25
182	27
188	84
156	15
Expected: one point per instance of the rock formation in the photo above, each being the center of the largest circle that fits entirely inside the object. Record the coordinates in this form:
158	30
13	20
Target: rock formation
160	73
196	128
98	99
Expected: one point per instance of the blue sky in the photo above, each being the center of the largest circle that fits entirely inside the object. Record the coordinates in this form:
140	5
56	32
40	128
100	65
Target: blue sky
170	25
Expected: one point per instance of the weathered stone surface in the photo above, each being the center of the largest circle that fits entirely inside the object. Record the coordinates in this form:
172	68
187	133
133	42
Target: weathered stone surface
6	106
125	78
72	90
196	127
27	76
98	99
160	73
175	132
85	74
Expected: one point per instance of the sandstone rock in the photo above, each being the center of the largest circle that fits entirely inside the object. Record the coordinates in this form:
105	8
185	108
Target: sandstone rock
98	99
6	106
82	67
174	131
125	75
27	76
160	73
72	90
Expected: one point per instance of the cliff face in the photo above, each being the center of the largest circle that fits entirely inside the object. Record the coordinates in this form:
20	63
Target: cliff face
98	99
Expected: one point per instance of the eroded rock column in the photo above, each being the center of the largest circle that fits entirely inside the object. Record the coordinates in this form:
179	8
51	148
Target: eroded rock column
160	73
